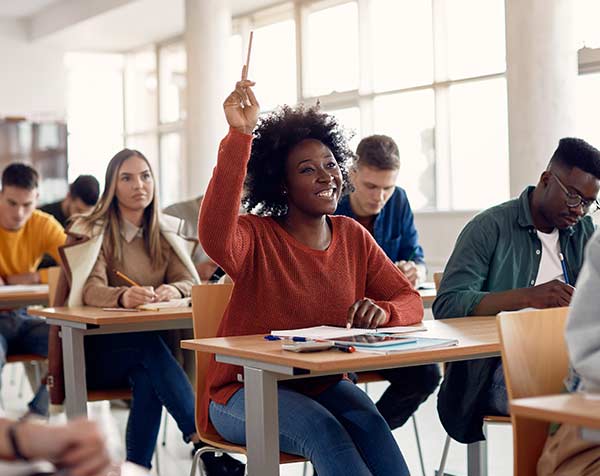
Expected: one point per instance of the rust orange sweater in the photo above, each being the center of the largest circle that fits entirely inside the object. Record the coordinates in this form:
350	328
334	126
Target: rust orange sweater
279	282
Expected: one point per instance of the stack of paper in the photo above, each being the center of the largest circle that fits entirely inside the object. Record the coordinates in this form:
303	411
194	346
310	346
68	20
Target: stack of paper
173	303
419	344
333	332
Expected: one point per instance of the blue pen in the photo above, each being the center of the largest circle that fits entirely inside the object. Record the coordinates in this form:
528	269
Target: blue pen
300	339
564	268
271	337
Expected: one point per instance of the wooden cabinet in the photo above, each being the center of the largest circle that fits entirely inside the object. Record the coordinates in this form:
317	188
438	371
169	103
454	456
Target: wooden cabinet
41	144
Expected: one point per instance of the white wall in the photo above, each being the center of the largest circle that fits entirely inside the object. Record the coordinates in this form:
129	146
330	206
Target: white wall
32	78
437	234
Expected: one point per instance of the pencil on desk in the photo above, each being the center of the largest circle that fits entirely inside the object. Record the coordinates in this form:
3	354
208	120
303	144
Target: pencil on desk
127	279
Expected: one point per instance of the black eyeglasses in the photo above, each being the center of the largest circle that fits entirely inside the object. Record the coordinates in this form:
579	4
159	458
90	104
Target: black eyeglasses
575	200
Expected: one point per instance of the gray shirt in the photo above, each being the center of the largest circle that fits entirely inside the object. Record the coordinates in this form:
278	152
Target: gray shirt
188	211
583	325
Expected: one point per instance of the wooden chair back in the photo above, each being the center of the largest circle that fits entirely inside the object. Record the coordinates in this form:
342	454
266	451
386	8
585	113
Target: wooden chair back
437	279
535	362
209	302
53	277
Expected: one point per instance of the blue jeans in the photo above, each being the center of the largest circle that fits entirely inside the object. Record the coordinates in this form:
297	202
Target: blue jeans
409	387
340	430
142	361
497	398
21	333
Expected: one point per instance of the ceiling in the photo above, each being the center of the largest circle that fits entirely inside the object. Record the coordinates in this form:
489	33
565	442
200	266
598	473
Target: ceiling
23	8
135	24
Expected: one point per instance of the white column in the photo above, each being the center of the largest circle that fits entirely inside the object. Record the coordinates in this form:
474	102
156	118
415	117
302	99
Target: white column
207	31
541	62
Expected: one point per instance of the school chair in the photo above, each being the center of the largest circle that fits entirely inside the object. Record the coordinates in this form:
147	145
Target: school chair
208	305
476	452
535	363
35	362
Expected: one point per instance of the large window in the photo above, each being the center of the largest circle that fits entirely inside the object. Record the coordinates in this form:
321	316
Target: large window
424	73
420	71
155	101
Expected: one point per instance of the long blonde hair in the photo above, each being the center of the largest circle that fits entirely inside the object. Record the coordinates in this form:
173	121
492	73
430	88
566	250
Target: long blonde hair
106	212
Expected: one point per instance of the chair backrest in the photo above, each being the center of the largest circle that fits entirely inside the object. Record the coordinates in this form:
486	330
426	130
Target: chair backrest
53	277
534	353
535	362
437	279
208	305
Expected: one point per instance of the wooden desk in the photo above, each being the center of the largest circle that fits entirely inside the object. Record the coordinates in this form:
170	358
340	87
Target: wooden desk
78	322
571	408
265	364
13	297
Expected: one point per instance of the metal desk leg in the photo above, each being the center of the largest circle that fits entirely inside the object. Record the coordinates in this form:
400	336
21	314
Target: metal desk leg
262	422
477	458
74	370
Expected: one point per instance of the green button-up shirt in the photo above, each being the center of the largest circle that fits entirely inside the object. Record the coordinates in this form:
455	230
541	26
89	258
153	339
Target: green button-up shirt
499	250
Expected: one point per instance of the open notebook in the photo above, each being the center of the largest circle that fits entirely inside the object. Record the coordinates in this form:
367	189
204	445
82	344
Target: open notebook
23	288
333	332
173	303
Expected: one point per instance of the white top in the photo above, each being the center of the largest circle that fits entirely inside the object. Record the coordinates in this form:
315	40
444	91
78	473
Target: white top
550	266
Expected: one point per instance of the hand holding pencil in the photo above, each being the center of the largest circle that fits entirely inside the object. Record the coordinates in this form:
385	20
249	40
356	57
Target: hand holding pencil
241	107
136	294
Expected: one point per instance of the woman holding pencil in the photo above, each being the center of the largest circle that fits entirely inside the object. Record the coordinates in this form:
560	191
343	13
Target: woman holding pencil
295	265
124	254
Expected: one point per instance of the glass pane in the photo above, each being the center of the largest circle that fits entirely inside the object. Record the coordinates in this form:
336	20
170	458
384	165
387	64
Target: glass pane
587	13
94	112
172	75
147	144
172	168
349	117
409	118
273	64
402	30
479	144
235	59
140	91
332	53
588	105
475	37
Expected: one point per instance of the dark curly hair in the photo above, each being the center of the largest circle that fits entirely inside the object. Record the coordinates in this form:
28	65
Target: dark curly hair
274	137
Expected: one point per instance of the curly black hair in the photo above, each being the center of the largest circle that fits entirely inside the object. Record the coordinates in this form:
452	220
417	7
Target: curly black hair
274	137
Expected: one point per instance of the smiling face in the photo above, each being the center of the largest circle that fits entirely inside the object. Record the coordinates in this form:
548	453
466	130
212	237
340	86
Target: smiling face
135	184
313	180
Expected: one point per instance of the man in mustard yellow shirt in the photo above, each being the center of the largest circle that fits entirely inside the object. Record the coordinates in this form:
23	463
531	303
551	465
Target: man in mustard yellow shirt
26	234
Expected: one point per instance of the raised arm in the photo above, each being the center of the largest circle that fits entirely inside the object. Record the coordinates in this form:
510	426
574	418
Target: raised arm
224	237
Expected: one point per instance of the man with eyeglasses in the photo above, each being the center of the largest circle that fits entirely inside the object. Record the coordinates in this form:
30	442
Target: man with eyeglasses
526	252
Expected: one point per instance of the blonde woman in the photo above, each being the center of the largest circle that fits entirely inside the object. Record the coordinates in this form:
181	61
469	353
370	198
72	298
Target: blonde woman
124	233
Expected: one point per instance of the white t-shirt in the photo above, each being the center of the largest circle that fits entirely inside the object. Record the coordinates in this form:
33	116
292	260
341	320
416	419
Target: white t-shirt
550	266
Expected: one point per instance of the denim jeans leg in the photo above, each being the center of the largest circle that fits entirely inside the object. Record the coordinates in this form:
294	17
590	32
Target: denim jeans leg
497	403
33	338
170	383
308	429
409	387
3	352
144	419
371	434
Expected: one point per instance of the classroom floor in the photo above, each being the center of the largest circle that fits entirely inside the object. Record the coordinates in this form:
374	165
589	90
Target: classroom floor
175	460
